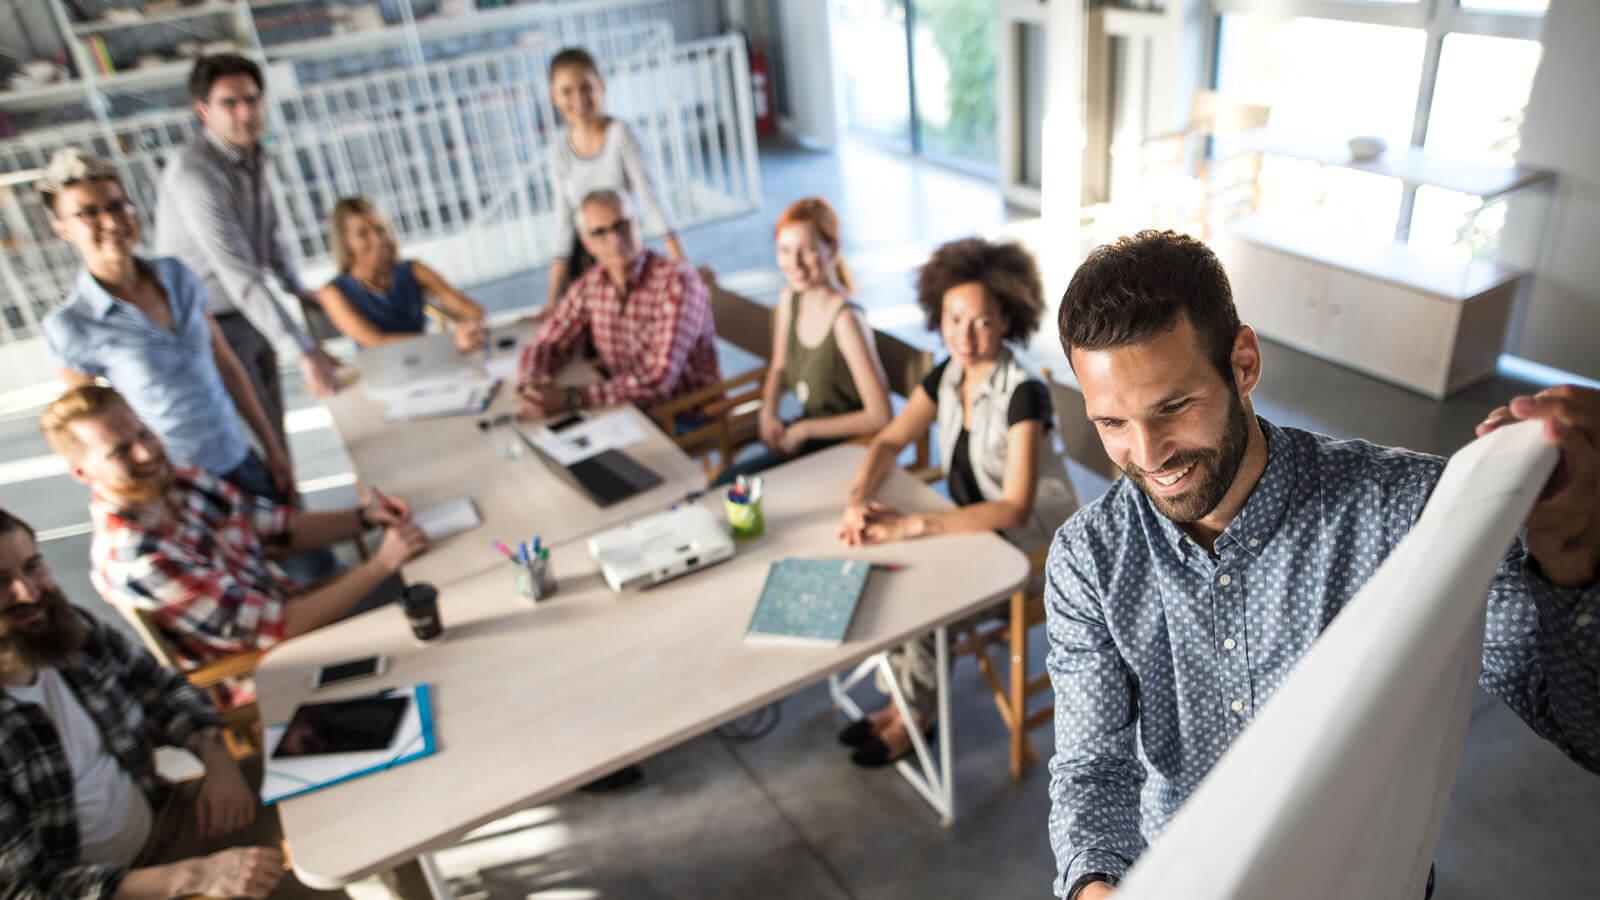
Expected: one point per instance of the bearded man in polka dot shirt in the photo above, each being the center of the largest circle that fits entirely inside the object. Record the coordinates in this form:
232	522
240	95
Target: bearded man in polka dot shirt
1179	601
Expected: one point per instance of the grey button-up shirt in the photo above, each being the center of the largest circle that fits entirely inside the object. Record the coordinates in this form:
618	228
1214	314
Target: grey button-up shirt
168	375
216	214
1161	654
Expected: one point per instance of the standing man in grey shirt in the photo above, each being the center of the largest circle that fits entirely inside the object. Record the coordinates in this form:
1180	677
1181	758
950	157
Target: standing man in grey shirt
216	214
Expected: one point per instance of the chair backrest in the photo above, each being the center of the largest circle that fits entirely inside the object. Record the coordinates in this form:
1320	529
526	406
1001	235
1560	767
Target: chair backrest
318	324
742	322
1215	114
1078	435
904	364
148	632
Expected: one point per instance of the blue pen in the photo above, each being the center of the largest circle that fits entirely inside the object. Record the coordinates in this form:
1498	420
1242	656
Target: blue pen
535	554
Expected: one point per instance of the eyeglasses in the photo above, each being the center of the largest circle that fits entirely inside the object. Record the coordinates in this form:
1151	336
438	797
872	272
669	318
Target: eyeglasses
618	228
117	209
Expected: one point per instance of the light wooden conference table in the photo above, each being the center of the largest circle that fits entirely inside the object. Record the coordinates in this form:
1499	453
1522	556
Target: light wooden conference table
434	461
531	701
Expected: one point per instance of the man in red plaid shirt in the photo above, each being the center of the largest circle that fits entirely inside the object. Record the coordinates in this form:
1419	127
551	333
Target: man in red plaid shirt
648	315
195	552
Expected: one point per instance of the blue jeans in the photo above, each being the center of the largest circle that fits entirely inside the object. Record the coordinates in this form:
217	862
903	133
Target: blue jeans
766	459
252	477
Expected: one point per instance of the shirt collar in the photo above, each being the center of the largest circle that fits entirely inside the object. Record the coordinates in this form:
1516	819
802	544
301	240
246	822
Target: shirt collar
90	292
229	151
1263	510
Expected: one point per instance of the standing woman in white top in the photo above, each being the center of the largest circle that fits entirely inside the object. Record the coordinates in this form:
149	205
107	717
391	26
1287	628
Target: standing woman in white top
596	153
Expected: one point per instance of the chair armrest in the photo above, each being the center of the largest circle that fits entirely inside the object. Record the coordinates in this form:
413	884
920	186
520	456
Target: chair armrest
703	398
238	666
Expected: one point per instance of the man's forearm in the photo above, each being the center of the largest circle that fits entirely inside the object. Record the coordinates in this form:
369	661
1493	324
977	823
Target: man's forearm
315	530
207	745
334	600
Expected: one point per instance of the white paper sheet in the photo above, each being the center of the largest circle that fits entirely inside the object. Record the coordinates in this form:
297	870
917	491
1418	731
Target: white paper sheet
609	431
284	778
449	519
1338	789
449	395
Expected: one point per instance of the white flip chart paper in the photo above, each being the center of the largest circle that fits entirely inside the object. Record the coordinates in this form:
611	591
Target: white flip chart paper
1338	789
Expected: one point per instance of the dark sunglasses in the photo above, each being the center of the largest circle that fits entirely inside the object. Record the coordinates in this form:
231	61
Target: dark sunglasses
618	228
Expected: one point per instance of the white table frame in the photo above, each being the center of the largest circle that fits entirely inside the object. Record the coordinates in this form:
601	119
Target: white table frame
935	782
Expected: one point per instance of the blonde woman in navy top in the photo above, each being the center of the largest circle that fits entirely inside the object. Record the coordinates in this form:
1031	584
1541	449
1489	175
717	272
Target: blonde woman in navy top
379	298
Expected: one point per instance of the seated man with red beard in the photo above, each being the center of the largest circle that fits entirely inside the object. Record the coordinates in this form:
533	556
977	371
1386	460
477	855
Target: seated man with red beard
195	552
82	811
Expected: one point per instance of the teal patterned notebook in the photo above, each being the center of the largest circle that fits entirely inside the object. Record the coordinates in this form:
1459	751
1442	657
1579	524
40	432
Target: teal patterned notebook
808	601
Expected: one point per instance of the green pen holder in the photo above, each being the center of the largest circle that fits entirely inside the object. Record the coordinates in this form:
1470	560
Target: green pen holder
745	518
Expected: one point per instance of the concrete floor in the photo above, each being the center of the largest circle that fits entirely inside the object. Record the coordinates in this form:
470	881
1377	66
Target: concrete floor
788	816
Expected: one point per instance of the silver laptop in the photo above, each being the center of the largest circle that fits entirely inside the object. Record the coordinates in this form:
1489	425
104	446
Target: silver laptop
402	362
661	547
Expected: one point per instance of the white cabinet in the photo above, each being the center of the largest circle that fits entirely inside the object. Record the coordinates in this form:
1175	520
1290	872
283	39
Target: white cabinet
1430	342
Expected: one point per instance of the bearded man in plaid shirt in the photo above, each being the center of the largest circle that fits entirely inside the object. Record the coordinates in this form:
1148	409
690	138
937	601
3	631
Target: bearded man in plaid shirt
82	811
196	553
648	316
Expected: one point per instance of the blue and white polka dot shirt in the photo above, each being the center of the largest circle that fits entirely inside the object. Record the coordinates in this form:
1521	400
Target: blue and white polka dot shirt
1161	654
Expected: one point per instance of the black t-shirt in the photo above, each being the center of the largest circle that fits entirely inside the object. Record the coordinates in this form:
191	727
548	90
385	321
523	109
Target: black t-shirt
1030	401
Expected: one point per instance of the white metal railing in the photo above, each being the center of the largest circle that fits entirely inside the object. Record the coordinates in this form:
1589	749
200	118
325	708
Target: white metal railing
455	151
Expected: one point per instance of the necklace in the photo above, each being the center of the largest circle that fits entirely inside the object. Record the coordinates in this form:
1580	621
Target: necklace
374	286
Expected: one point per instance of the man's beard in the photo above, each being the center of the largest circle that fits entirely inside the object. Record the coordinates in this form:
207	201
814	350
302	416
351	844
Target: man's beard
145	486
1214	470
56	635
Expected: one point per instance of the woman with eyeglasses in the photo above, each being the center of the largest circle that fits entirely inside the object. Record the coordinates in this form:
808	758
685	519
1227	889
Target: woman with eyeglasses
379	298
142	325
595	152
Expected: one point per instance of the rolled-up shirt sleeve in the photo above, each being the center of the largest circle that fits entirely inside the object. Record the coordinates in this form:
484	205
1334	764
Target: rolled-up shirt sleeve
214	612
1541	655
223	244
1095	774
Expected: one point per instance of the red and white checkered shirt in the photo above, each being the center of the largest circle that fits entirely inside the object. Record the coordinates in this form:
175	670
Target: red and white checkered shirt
657	339
198	567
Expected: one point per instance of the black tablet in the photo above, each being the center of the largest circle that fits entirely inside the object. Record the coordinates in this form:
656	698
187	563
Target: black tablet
343	726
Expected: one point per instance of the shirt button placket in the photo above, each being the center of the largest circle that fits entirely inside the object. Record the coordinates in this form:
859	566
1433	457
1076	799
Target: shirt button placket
1234	665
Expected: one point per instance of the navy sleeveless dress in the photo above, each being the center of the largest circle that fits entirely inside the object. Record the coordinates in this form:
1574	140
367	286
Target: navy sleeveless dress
400	311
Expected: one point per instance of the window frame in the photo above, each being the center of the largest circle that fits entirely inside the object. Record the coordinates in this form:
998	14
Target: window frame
1435	18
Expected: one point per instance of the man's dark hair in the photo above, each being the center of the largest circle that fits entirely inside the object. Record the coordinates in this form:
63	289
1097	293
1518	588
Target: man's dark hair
1135	288
576	57
207	69
10	523
1006	271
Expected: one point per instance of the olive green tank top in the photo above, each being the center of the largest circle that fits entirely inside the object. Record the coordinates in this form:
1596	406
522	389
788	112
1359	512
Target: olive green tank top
819	376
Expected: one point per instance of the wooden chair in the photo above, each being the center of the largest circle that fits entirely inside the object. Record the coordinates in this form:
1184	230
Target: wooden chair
904	367
730	406
241	724
1221	189
1025	608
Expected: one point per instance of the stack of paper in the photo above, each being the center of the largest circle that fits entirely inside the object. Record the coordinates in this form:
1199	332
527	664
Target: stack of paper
590	437
436	397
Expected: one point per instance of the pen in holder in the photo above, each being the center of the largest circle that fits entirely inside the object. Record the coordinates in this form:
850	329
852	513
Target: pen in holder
534	577
742	504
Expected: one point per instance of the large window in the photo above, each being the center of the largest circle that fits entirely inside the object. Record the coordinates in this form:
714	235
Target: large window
920	75
1452	75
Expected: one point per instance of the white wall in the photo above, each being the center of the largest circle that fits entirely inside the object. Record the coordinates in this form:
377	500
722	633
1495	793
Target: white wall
1560	322
805	30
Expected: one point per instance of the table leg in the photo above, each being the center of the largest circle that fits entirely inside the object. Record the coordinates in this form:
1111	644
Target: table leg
419	879
934	781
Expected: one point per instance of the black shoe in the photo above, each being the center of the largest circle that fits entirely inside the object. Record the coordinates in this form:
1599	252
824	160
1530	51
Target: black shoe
628	776
856	733
874	754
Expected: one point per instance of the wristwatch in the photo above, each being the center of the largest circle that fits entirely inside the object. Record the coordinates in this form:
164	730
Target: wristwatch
1087	879
574	398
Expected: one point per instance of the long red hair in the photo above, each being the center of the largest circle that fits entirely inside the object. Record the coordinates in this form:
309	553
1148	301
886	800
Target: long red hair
816	212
